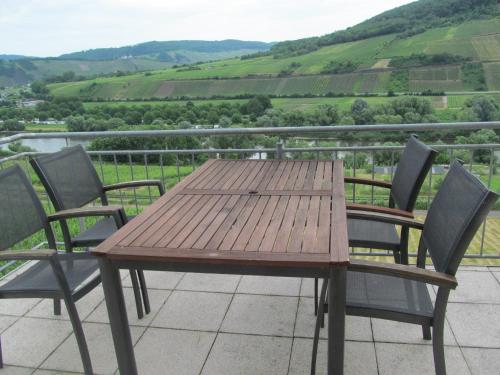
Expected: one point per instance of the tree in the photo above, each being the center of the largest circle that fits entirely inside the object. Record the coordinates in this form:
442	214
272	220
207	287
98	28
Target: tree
39	88
361	113
12	125
483	136
485	107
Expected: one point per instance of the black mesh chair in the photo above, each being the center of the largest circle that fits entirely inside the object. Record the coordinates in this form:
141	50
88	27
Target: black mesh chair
66	276
71	182
414	164
399	292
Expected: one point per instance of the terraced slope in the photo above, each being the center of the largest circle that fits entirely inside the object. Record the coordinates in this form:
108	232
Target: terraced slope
478	40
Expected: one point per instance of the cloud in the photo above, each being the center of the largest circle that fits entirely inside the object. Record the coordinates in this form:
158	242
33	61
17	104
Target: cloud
52	27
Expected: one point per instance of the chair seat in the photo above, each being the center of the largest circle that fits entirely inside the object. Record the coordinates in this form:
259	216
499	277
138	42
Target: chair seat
97	233
40	276
388	293
372	234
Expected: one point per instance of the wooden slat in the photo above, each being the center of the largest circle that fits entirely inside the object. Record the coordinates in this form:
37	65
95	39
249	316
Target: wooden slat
295	244
235	231
339	245
162	214
227	224
217	176
322	244
208	175
156	231
241	169
197	225
275	178
318	176
267	243
285	231
119	235
311	170
280	185
212	224
261	175
327	193
261	225
301	177
252	175
292	177
311	226
174	237
239	183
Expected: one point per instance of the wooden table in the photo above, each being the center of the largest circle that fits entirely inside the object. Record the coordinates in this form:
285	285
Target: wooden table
253	217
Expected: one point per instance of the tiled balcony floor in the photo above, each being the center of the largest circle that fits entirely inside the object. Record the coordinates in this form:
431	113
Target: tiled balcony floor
216	325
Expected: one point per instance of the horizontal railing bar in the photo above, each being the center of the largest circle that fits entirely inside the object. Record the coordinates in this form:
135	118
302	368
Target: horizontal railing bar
265	150
259	131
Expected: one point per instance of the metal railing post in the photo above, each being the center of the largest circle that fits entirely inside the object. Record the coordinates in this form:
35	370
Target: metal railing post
279	150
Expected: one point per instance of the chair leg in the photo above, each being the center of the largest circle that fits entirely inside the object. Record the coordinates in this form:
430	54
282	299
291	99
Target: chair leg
57	306
137	293
144	291
315	296
397	257
1	355
426	332
438	349
317	327
80	337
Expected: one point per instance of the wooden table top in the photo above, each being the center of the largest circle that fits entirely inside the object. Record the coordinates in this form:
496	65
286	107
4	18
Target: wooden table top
243	212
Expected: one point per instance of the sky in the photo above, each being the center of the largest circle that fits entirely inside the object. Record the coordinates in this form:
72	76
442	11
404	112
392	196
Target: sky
52	27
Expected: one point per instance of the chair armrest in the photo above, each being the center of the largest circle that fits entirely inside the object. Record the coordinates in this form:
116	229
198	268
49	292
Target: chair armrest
405	272
382	210
117	212
139	183
364	181
385	218
38	254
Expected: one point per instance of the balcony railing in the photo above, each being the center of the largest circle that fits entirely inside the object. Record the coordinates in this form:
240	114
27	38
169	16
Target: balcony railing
172	165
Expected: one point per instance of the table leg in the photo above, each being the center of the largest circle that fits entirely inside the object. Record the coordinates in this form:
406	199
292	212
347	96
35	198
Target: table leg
120	330
336	319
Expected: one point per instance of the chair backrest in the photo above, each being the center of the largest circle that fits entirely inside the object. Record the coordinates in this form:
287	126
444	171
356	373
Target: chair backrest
21	212
456	212
69	177
412	168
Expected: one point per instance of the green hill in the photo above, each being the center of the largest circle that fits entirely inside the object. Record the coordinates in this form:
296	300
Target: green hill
16	70
476	40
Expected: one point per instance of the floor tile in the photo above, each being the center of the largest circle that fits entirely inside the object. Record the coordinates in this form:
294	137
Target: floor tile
397	359
307	287
497	275
245	354
172	352
158	279
398	332
475	325
359	358
101	348
193	310
14	370
53	372
6	321
156	300
483	361
476	287
206	282
264	315
17	306
279	286
357	328
29	341
84	306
